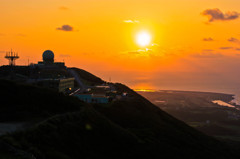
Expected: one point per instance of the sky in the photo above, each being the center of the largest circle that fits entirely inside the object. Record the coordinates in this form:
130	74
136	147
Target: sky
195	44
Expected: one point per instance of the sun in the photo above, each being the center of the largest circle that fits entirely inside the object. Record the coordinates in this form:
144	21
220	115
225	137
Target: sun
143	38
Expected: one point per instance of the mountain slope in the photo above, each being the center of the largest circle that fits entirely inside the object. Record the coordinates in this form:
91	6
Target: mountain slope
161	131
85	134
128	128
87	78
23	102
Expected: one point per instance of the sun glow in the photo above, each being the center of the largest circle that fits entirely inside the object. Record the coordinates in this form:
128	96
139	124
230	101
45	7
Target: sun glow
144	90
143	38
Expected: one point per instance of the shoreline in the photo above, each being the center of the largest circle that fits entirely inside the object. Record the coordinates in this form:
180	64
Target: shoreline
230	98
235	101
189	91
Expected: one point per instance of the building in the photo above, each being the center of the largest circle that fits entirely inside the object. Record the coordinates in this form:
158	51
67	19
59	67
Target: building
61	84
66	84
52	74
91	98
48	61
46	73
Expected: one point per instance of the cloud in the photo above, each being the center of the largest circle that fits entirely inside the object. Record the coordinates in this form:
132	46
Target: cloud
208	39
65	55
65	28
133	52
207	55
234	40
2	34
2	51
225	48
217	15
155	44
208	50
131	21
21	35
138	53
63	8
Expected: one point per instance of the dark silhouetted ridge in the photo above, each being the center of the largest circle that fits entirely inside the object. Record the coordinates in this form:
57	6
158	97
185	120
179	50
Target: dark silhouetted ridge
131	127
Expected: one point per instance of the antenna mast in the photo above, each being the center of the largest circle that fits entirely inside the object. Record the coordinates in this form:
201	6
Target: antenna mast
12	57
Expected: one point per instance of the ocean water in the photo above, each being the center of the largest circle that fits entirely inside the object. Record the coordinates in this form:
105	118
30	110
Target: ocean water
203	81
236	99
233	90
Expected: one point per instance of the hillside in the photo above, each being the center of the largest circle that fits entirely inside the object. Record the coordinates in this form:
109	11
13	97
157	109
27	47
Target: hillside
87	78
23	102
69	129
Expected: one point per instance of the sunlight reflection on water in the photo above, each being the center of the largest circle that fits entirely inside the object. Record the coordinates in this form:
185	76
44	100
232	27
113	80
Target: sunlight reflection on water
222	103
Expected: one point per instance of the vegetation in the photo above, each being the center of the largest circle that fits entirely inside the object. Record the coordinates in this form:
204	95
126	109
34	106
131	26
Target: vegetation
128	128
88	78
23	102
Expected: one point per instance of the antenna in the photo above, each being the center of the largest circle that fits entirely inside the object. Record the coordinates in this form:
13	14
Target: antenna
12	57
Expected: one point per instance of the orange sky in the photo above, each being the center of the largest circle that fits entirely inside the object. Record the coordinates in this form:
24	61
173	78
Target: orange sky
103	37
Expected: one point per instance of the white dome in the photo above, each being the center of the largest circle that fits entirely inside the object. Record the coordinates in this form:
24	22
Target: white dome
48	56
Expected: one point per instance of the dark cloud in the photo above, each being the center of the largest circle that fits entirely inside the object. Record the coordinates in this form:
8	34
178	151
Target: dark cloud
217	15
238	49
225	48
208	39
65	28
234	40
207	55
63	8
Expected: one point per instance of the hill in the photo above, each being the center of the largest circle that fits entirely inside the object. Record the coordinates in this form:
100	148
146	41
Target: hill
21	102
128	128
87	78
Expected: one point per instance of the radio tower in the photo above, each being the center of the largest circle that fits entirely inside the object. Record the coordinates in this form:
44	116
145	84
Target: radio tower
12	57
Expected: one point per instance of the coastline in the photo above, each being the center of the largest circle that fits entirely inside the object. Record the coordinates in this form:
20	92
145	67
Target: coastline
235	101
222	99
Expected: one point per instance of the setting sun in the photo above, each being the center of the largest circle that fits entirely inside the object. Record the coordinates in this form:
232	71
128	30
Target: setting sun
143	38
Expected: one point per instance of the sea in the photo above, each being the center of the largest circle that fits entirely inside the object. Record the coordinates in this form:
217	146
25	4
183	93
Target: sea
222	82
225	89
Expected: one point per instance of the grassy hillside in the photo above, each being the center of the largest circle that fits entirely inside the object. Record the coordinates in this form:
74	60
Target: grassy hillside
84	134
23	102
154	126
88	78
7	70
129	128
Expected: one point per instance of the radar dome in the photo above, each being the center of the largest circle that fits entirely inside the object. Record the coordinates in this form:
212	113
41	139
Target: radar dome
48	56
